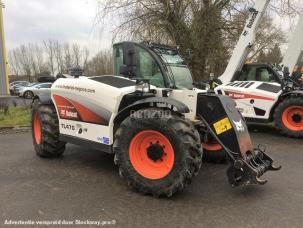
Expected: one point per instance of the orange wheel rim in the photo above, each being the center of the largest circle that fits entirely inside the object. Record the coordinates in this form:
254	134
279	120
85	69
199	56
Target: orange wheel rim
151	154
37	129
212	146
292	118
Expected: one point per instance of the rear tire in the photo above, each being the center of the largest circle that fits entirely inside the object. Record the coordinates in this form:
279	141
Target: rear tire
45	131
212	150
288	117
180	152
214	153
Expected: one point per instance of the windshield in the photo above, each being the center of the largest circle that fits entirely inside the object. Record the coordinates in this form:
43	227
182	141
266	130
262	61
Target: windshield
173	59
182	75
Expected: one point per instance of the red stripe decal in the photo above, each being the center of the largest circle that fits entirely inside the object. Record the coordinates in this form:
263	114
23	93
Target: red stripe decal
238	96
72	110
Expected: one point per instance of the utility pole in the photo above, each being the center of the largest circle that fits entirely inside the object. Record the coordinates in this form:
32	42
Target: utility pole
4	82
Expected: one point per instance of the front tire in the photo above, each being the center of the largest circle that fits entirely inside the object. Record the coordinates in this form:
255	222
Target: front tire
288	117
157	155
45	131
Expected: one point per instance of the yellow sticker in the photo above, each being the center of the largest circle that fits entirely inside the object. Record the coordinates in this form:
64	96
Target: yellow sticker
222	126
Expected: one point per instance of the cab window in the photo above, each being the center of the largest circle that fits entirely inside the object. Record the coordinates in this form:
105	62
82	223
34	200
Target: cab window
256	73
265	75
247	74
118	59
147	68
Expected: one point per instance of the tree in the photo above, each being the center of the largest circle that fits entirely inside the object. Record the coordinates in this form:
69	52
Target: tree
67	57
27	60
76	53
272	56
50	52
262	57
52	57
14	65
58	52
275	55
101	64
205	26
190	24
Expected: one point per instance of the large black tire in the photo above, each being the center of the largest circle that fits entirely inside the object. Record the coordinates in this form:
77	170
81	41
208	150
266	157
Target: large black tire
45	131
214	156
288	117
183	138
212	150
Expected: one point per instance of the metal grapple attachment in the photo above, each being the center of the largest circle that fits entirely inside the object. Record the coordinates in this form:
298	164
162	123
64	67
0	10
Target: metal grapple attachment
227	126
248	170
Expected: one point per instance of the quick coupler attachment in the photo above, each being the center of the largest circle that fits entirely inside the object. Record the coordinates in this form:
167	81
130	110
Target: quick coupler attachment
248	170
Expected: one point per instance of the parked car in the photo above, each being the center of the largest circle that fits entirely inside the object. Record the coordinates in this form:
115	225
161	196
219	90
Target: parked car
29	92
18	89
16	84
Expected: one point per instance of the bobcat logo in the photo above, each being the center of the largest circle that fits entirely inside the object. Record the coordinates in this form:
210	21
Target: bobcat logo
239	126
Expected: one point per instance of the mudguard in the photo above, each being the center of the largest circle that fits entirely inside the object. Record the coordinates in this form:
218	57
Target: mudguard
295	92
152	102
182	108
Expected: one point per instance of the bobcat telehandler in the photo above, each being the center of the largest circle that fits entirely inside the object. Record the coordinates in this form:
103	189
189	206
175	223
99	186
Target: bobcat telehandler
262	93
151	118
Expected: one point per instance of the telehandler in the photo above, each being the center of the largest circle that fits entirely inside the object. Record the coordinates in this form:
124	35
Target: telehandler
151	118
263	93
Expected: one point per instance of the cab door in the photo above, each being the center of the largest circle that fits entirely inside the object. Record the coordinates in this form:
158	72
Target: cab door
146	65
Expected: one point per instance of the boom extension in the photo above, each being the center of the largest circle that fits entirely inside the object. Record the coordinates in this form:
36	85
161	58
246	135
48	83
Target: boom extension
246	40
295	47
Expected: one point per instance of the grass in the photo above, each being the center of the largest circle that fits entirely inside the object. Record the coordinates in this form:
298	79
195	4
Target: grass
13	116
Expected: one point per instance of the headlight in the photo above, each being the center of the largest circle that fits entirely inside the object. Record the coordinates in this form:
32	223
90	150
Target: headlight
143	87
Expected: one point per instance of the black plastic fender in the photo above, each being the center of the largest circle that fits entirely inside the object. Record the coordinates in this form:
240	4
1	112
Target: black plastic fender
295	92
151	102
181	107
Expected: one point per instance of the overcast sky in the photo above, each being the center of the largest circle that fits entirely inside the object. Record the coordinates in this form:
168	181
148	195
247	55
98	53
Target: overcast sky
63	20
